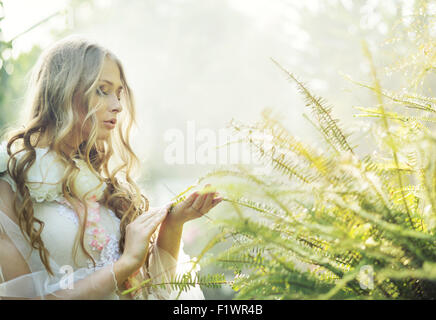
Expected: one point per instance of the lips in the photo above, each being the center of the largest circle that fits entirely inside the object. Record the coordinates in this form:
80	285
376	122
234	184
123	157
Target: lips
110	124
113	121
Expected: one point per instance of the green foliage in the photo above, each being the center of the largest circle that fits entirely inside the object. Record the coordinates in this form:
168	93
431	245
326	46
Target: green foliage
13	72
329	223
182	282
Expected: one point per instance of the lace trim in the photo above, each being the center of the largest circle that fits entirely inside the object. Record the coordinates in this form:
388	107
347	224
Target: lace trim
68	213
108	255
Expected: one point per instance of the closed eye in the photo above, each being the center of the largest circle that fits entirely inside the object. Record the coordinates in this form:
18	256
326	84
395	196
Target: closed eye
101	91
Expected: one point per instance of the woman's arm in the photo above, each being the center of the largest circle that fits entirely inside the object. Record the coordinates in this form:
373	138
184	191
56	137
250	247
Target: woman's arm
169	237
96	286
17	274
99	284
19	279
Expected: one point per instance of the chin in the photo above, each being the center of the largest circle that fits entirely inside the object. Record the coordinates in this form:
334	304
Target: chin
103	138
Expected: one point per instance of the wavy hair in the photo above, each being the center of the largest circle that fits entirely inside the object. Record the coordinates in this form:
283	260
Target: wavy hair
59	92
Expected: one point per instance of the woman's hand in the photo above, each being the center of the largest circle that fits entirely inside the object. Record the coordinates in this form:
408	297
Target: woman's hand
193	207
138	234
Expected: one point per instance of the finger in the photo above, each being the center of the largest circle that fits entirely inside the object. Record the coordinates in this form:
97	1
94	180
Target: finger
146	216
166	208
208	201
216	201
198	203
149	219
153	223
208	189
189	201
154	213
163	211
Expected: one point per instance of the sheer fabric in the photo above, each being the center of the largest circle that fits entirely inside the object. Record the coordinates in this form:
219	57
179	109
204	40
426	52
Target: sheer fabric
28	277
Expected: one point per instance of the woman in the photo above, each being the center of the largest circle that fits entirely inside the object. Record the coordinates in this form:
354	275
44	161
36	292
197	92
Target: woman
73	223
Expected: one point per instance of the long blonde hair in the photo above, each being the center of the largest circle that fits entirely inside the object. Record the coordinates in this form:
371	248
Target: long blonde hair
60	89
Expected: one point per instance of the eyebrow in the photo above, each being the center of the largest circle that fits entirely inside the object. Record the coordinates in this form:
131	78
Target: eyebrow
104	80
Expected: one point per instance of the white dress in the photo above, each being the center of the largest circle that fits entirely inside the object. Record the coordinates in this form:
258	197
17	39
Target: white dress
61	225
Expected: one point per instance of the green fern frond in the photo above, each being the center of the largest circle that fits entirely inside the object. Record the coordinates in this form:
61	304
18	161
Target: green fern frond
322	114
283	138
183	282
409	100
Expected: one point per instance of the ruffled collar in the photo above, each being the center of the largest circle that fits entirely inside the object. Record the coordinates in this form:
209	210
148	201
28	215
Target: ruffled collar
45	175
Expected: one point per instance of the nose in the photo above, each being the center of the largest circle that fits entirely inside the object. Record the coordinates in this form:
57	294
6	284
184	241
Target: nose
115	105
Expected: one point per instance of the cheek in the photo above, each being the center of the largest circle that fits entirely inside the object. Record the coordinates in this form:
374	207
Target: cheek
95	101
85	128
99	103
100	116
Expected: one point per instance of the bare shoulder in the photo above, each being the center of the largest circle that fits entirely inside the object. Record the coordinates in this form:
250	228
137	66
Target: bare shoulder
11	261
7	200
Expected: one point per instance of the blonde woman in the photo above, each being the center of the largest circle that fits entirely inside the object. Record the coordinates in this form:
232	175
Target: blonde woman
73	223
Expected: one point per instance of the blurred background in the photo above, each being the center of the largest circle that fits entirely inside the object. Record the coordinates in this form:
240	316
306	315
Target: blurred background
195	65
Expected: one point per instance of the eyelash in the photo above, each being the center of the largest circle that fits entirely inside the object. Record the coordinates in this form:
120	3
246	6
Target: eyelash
102	93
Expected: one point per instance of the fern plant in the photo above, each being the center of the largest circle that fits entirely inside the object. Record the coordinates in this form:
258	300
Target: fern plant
330	223
326	217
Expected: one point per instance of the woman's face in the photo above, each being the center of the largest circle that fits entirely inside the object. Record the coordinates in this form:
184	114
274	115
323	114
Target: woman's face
107	96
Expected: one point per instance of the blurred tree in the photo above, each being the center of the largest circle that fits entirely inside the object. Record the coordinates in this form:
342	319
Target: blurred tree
5	71
13	70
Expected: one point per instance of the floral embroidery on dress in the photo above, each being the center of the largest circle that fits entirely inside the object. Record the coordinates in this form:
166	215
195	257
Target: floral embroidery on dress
108	255
110	252
99	236
100	241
